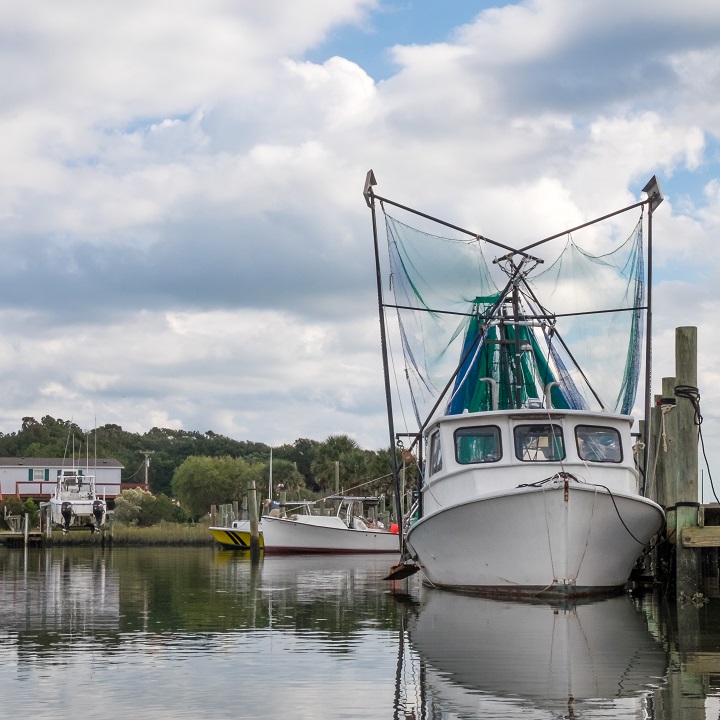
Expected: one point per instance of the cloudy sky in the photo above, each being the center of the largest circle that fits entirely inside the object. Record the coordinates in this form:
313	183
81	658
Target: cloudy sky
184	239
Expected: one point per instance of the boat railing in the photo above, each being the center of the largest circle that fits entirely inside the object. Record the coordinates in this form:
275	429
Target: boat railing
410	514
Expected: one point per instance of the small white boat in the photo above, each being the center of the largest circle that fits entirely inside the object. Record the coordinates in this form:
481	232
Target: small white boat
75	503
237	536
529	478
348	531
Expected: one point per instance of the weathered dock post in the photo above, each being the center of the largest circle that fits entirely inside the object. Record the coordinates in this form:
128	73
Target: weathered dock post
685	474
661	464
667	466
254	524
282	498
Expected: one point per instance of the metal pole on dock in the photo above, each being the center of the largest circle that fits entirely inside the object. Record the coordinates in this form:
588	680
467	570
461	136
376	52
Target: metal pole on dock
27	527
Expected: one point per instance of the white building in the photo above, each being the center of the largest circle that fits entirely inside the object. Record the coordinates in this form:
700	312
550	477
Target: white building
36	477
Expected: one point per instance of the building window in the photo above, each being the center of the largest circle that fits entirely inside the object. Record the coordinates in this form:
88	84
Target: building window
478	445
539	443
38	475
598	444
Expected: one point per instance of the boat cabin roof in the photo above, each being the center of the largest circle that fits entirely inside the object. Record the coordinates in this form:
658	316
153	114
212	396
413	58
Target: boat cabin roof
531	415
355	498
53	463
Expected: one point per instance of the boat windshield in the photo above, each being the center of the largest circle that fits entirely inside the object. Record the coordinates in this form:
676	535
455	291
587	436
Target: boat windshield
539	443
598	444
478	444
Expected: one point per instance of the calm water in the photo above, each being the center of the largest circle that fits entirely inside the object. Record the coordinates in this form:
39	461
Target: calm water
201	633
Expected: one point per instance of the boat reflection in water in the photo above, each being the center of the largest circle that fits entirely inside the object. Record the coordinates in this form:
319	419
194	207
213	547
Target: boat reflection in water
480	656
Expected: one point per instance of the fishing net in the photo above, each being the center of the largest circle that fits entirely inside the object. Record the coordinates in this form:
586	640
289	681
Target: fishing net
577	343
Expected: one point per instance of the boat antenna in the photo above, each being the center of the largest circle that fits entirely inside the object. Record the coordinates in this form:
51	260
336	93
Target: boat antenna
270	479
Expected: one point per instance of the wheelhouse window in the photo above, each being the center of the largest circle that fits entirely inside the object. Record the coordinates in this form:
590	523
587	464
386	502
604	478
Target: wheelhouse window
477	445
539	443
435	453
598	444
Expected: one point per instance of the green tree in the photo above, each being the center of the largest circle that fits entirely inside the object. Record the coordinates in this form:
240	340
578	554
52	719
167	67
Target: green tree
284	473
128	504
204	481
139	507
339	453
32	510
302	454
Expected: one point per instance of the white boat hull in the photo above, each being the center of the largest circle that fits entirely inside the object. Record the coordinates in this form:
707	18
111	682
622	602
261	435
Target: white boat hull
285	535
566	540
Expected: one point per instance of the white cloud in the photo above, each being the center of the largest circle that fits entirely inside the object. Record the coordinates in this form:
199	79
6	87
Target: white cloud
181	195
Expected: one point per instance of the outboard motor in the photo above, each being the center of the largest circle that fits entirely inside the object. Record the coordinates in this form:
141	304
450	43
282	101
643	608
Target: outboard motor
66	510
98	510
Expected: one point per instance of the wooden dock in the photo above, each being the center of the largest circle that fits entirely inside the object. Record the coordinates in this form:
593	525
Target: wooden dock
686	557
22	535
12	538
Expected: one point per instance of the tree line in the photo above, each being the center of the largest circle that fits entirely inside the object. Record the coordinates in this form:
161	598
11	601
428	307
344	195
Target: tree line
200	469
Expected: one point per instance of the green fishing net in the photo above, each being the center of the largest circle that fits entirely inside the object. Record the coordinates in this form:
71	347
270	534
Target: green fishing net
575	340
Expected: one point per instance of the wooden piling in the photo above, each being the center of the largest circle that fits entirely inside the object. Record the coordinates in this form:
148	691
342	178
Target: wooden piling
687	559
254	523
667	443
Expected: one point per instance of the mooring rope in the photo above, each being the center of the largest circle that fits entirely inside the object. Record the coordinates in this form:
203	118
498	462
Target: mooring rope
691	393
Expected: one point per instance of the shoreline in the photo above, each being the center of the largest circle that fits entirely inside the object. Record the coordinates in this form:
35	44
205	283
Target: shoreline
119	535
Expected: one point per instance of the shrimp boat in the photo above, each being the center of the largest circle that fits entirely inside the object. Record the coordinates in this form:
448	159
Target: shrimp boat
529	479
75	503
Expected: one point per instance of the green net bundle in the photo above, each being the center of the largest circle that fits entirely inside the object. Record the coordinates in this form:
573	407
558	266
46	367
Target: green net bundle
568	329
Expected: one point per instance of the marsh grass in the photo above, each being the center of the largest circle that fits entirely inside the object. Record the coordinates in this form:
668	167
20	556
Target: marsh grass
164	533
